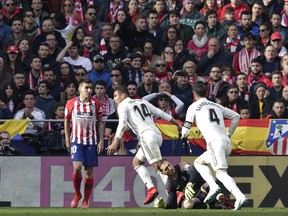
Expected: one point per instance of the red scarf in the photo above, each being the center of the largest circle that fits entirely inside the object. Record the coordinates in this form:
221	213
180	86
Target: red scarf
31	80
105	105
232	44
212	93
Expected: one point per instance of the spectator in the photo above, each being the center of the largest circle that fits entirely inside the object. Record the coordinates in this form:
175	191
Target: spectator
35	75
153	21
19	87
181	55
228	74
256	75
29	25
258	15
277	27
139	33
46	59
133	71
278	110
245	112
5	112
150	53
70	91
199	42
229	18
132	89
132	10
284	66
108	10
232	100
170	36
57	113
246	25
107	103
259	106
4	76
7	96
89	24
215	55
31	112
49	74
80	73
9	11
233	39
25	51
160	8
270	61
161	74
5	32
116	54
54	49
88	48
214	28
243	86
285	96
275	92
44	100
5	140
183	90
99	71
210	5
272	7
242	59
277	41
66	73
284	21
189	15
116	80
185	31
169	55
216	86
74	58
238	8
148	85
123	27
68	9
191	69
78	35
40	13
265	30
104	36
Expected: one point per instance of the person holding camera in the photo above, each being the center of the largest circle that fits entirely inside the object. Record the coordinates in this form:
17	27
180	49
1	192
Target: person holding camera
5	144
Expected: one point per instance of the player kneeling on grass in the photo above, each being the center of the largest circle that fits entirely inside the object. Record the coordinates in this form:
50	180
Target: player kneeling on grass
185	187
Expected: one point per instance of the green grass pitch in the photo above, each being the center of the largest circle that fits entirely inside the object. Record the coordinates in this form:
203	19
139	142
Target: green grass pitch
141	212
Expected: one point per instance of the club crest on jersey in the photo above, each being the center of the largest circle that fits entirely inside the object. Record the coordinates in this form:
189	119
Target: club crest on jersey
277	137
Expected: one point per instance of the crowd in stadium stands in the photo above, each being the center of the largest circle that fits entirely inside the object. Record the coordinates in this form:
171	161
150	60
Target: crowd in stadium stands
157	48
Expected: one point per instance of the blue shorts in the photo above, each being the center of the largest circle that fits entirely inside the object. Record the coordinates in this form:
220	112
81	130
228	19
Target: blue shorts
87	154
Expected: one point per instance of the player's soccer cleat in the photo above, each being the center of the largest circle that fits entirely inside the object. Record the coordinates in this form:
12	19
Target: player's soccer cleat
84	204
152	193
239	202
75	201
225	201
212	195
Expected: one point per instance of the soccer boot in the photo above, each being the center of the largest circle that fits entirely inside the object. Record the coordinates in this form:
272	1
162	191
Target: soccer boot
151	195
225	201
239	202
212	195
84	204
75	201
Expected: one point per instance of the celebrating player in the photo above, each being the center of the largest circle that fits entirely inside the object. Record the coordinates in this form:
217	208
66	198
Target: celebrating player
84	112
209	118
137	114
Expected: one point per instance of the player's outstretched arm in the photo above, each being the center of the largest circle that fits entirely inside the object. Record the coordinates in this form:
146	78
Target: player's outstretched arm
100	146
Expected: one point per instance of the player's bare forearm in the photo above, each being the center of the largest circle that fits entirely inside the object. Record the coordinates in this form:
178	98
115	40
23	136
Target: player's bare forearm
112	148
175	122
101	129
67	133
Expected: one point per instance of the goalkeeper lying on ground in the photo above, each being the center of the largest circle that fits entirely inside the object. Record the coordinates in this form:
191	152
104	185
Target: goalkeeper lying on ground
185	187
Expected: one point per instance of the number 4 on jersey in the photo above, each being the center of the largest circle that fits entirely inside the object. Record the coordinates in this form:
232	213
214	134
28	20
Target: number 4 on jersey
213	116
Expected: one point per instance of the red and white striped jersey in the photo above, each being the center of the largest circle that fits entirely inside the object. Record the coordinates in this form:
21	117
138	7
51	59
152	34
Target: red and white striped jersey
84	117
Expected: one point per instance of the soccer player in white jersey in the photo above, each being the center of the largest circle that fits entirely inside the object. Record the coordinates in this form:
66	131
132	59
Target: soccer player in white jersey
84	113
209	118
138	115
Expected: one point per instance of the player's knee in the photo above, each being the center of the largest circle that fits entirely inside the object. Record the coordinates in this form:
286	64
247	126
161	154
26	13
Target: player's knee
188	204
136	162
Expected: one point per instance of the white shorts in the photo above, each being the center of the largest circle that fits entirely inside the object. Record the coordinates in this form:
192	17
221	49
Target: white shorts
150	143
216	154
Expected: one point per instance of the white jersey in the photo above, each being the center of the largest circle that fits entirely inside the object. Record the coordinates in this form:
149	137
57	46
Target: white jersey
209	118
138	114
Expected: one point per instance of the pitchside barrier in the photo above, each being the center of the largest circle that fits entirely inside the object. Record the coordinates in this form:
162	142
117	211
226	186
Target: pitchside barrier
45	181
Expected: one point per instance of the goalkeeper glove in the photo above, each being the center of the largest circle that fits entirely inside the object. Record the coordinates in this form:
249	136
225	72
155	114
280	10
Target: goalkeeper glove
189	191
159	203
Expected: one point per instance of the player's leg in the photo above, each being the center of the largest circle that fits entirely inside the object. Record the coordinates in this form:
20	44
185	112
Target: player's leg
90	161
77	158
201	165
222	150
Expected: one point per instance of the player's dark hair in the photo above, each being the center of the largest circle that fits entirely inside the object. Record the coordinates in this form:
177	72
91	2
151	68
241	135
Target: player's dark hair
122	89
200	89
85	81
